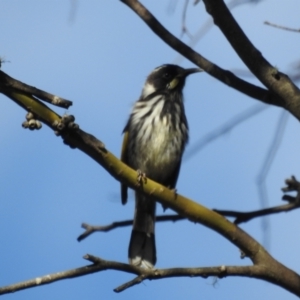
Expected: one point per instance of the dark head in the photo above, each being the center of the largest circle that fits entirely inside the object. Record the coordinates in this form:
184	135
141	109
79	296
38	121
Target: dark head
167	78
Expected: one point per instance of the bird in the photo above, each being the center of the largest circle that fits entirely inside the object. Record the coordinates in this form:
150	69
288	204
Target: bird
155	137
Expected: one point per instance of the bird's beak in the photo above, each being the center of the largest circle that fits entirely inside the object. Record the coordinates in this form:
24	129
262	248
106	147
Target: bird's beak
181	77
188	72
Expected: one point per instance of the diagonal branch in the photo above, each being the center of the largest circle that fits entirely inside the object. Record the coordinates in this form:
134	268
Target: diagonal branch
277	82
240	217
222	130
9	84
282	92
224	76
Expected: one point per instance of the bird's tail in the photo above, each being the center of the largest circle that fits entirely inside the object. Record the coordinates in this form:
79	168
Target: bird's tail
142	250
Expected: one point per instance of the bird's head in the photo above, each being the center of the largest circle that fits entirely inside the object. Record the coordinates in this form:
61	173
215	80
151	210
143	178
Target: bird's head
167	78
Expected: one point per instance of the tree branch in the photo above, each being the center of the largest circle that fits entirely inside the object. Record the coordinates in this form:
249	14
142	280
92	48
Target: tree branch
9	84
277	82
292	185
272	270
224	128
282	92
243	217
100	265
222	75
89	229
240	217
281	27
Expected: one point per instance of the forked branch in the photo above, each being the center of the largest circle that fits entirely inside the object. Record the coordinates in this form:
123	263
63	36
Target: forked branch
100	265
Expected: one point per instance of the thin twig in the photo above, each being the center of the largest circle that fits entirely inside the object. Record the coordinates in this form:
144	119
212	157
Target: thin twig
293	185
243	217
223	129
208	25
263	173
281	27
184	29
11	85
89	229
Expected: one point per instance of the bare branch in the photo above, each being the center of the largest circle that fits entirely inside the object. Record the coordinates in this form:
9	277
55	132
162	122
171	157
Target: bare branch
293	185
243	217
205	272
142	274
277	82
224	76
223	129
268	161
89	229
184	29
10	85
284	92
240	217
281	27
195	38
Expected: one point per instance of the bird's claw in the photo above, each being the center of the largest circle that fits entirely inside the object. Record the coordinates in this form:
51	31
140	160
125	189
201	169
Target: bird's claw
141	177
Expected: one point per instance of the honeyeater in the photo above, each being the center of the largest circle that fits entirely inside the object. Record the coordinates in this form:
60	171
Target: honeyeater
154	140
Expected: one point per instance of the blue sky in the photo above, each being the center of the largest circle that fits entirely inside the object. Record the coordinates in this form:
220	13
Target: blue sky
100	60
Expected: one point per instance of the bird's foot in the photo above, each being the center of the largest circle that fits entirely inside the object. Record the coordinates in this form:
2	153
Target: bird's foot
141	177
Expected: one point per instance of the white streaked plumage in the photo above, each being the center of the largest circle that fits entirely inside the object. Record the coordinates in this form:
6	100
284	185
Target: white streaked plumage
140	109
148	89
156	135
156	140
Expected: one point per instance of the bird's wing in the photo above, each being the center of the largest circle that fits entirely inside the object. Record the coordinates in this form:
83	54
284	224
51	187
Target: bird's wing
171	182
124	159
